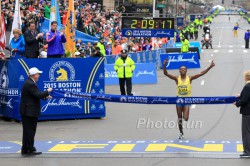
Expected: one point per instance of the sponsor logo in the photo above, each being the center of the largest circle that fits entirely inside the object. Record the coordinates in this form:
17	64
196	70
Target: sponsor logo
101	76
93	107
101	107
145	72
101	91
21	78
159	100
110	74
97	84
179	58
61	102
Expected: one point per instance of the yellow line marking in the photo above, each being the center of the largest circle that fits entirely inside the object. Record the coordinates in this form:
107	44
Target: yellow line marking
206	148
123	147
70	147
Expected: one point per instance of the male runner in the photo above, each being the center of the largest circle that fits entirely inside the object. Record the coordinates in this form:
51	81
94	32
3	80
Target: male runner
184	87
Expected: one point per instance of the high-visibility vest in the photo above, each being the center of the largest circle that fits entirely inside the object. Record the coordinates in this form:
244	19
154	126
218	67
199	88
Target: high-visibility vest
124	68
185	46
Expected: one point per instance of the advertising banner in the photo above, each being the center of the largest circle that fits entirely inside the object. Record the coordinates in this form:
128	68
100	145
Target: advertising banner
192	18
139	57
8	88
176	60
145	73
180	21
70	75
147	33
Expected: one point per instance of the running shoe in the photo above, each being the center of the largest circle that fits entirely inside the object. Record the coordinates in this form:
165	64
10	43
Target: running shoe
181	136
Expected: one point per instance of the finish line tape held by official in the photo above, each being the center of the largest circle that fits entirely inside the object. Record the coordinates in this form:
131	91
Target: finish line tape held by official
145	99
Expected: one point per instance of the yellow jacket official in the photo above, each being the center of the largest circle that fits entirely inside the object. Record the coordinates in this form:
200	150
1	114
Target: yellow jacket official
124	67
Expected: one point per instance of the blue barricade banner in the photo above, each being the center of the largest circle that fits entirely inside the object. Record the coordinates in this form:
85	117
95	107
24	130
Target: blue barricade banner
139	57
192	18
79	35
145	73
146	99
66	74
148	32
176	60
180	21
9	96
192	44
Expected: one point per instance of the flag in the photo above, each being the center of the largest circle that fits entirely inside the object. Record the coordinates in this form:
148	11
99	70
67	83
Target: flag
54	14
17	23
70	29
2	31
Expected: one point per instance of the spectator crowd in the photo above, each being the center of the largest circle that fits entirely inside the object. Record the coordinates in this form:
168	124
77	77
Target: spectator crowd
91	18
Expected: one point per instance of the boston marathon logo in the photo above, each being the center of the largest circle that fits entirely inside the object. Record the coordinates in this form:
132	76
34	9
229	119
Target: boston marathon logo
62	77
179	101
128	33
62	71
192	100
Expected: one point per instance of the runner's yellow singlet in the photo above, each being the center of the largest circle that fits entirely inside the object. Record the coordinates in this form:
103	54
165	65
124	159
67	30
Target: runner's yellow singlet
184	87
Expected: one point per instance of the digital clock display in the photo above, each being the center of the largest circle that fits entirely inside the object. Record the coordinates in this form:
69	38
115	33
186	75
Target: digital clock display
147	23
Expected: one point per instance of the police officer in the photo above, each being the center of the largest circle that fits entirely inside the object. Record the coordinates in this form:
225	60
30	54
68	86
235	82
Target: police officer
184	45
124	66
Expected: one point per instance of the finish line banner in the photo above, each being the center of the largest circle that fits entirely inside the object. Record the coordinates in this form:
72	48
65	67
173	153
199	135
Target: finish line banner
144	99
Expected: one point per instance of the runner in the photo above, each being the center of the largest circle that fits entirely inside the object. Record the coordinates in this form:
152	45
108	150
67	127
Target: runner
184	87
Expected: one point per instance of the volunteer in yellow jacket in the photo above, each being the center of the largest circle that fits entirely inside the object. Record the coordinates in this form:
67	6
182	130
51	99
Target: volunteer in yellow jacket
124	66
184	88
184	45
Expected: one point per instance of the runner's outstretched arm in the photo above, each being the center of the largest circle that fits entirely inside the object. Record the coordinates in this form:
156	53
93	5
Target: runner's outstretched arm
203	72
166	72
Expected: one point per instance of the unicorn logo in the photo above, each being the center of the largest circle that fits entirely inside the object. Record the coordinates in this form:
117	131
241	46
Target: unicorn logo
63	75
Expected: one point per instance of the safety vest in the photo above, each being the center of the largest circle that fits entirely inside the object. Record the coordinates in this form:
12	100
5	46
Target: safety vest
184	87
196	29
201	22
185	46
102	48
124	68
192	29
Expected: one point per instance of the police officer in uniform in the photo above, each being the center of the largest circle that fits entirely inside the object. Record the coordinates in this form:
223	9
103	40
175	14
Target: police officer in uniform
184	45
124	66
